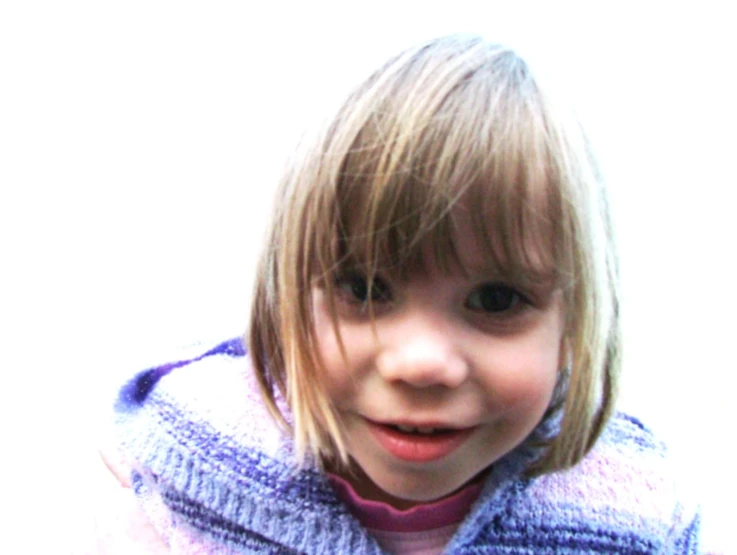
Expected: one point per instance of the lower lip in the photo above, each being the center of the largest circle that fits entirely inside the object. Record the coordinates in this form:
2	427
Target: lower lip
418	447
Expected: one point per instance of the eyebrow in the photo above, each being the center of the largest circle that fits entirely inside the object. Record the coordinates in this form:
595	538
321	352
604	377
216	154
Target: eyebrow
525	275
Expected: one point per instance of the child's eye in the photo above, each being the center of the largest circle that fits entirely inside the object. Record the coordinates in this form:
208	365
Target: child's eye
355	287
494	298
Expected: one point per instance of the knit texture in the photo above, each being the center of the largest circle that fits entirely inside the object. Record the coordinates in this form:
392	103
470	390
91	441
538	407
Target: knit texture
215	474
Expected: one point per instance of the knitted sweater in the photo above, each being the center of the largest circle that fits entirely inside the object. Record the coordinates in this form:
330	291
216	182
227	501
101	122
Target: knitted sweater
214	474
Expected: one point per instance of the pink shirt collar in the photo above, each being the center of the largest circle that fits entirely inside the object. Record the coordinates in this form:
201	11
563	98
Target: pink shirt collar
420	518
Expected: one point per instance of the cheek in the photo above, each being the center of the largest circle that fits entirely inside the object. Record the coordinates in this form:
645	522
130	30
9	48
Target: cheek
327	340
521	375
340	373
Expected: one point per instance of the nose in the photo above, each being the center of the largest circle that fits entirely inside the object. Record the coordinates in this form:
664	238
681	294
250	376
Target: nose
423	356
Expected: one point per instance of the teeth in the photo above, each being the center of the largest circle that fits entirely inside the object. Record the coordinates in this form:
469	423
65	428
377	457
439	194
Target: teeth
413	430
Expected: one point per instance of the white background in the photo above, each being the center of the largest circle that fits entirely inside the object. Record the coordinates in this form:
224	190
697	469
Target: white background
139	147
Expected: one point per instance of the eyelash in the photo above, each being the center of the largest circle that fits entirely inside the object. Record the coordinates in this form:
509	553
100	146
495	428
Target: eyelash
353	287
500	298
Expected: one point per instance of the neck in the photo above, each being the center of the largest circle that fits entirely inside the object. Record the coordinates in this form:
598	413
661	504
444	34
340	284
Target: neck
366	489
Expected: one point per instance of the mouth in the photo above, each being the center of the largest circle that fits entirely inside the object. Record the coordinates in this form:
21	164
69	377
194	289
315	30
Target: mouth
419	443
420	430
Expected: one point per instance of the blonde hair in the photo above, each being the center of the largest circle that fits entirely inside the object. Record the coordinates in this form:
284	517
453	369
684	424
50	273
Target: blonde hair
455	118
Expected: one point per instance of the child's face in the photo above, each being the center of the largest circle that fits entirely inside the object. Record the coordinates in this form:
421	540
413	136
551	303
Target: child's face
472	359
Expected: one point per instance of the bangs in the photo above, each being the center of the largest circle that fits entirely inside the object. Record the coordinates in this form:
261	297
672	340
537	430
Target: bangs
414	229
475	152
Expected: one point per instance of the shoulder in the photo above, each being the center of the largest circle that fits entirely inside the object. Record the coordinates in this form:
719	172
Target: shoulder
211	467
628	463
628	490
161	415
625	496
207	397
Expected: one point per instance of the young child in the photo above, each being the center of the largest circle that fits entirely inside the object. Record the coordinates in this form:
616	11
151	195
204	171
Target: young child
432	359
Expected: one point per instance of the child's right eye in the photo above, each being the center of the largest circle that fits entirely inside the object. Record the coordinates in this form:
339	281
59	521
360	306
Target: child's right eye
355	288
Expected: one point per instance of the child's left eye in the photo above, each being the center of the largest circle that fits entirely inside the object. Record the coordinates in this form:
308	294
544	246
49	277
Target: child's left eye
494	298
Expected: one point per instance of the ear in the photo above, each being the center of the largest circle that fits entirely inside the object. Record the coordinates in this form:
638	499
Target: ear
564	356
